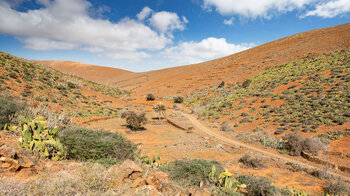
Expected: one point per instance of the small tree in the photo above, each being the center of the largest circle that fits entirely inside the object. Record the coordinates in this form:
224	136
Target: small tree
134	120
160	108
150	97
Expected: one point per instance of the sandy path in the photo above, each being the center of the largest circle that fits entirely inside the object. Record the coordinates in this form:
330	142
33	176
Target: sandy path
221	137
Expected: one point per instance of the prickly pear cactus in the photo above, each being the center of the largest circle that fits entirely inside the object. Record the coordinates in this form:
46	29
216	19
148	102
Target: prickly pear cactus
37	138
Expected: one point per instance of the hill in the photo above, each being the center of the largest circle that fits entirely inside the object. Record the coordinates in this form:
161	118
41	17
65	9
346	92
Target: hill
231	69
54	90
105	75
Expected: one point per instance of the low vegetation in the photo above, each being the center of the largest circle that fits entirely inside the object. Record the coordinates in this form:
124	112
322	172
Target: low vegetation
104	147
80	179
296	144
8	109
191	172
337	188
253	162
37	138
178	99
226	127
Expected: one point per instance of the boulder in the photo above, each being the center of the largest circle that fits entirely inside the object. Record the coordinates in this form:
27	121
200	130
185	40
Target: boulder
158	180
6	151
147	190
126	170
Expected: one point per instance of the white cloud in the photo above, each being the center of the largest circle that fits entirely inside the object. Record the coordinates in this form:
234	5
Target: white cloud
210	48
66	24
255	8
167	22
36	43
330	9
229	21
145	12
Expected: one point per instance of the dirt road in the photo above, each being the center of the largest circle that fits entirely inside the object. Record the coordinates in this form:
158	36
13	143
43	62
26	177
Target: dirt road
213	133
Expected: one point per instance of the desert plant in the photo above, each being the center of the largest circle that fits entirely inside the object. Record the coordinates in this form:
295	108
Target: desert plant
178	99
160	108
150	97
97	146
224	181
226	127
37	138
191	172
135	121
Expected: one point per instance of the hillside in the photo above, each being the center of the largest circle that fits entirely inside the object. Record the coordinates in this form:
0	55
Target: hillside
308	97
231	69
48	88
105	75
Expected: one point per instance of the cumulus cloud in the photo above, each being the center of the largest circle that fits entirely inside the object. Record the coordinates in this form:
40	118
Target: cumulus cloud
229	21
167	21
209	48
66	24
330	9
253	9
145	12
37	43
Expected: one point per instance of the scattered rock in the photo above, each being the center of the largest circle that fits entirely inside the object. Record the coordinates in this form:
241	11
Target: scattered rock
147	190
8	152
126	170
6	165
15	168
138	182
203	192
158	180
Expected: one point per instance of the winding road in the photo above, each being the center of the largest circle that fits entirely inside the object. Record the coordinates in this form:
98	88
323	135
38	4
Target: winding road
215	134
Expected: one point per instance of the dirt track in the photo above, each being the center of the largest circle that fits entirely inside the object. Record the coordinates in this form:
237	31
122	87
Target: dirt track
213	133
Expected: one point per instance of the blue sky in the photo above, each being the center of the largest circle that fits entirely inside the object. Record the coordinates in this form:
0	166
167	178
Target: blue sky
142	35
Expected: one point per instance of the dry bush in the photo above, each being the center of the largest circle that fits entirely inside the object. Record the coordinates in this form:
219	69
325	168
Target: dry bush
226	127
11	187
253	162
296	144
77	179
337	188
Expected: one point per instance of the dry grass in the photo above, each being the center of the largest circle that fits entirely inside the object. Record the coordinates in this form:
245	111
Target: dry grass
76	179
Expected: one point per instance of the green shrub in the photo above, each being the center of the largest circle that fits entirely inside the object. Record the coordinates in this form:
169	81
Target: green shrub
98	146
134	120
8	108
244	114
246	83
150	97
178	99
13	75
191	172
